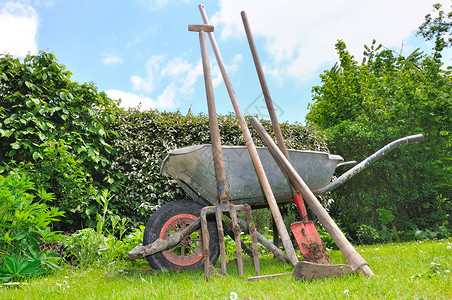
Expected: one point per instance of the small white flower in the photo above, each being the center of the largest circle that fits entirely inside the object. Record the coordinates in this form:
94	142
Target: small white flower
449	247
446	271
233	296
66	276
377	249
346	292
362	250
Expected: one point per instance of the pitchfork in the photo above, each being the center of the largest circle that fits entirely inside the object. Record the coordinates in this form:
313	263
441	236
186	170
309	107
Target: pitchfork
222	184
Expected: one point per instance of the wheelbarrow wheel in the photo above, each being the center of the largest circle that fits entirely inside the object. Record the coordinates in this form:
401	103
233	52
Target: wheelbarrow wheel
187	254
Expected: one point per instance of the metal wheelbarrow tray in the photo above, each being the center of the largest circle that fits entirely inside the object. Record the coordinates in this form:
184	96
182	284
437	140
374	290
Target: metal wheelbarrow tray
193	168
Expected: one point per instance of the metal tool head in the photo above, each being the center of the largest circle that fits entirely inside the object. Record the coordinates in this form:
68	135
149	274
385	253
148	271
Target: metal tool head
231	210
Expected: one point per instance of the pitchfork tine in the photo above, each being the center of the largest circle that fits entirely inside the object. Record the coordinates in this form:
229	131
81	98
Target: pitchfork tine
221	241
238	245
205	244
252	230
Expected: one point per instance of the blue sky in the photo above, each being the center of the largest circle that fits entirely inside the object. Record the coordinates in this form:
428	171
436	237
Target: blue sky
141	51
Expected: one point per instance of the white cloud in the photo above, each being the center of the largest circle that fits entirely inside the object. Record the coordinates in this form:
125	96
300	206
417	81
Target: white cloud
166	99
153	68
18	28
110	57
141	84
175	79
130	100
176	76
299	35
217	78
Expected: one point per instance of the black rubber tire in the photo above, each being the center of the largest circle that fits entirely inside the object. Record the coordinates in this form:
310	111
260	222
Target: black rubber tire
179	212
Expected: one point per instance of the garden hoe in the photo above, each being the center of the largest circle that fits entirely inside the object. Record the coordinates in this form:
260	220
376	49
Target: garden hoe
311	245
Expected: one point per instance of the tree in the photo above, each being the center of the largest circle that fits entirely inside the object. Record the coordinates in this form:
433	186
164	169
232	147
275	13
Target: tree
438	27
364	106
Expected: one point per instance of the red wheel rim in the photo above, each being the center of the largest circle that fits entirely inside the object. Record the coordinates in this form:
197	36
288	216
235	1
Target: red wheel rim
187	251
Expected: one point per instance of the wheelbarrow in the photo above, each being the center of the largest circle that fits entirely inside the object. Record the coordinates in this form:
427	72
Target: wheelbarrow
172	238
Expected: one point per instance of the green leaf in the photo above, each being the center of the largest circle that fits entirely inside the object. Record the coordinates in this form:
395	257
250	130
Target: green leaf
12	264
37	155
27	58
42	136
6	133
29	268
15	145
29	85
63	95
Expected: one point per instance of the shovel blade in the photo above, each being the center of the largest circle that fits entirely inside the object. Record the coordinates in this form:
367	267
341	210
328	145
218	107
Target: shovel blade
311	245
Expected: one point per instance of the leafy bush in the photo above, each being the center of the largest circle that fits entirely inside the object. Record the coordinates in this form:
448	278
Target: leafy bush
59	167
105	245
362	107
367	234
24	221
15	269
24	224
58	125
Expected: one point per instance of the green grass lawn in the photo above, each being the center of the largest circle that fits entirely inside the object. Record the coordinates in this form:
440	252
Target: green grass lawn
416	270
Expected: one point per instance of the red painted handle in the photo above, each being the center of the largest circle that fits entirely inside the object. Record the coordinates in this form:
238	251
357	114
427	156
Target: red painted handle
301	207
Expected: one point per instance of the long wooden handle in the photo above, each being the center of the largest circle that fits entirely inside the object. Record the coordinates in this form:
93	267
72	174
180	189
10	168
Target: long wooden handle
271	110
355	260
288	246
263	82
217	151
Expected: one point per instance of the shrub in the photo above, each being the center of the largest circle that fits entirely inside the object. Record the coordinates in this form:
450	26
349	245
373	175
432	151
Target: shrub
58	125
25	222
363	107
